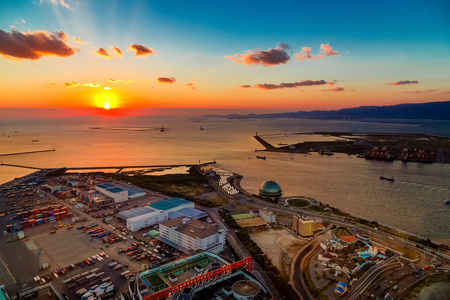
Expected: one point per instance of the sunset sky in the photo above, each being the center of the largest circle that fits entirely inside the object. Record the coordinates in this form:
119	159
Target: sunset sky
289	55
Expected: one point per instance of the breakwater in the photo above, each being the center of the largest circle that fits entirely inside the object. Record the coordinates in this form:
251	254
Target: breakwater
28	152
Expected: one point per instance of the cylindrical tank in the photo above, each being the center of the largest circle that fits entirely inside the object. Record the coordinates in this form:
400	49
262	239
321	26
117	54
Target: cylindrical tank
245	289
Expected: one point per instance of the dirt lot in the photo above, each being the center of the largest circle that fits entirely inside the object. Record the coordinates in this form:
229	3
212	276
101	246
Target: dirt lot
280	245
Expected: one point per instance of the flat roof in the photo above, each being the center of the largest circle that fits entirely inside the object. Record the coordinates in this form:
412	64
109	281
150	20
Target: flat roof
188	212
193	228
115	189
169	204
105	185
131	190
135	212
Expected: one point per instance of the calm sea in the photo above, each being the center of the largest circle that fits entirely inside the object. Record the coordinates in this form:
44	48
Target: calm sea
414	202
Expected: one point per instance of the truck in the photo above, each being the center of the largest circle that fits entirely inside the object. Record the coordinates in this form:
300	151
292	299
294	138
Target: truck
117	267
113	264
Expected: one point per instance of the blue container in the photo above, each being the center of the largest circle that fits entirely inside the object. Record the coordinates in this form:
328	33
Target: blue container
51	214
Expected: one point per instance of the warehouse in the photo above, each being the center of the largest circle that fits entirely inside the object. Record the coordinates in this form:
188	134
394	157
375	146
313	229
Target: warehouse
161	211
117	193
141	217
173	204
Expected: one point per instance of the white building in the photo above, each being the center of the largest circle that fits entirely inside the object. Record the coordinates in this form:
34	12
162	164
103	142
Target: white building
267	216
191	235
117	193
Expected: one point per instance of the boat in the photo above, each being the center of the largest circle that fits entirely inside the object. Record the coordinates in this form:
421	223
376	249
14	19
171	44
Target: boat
35	141
201	127
447	202
261	157
387	178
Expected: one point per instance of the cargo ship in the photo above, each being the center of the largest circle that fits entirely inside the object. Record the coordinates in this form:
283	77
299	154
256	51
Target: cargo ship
261	157
387	178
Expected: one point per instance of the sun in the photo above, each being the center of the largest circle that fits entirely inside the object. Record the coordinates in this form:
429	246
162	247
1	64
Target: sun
107	99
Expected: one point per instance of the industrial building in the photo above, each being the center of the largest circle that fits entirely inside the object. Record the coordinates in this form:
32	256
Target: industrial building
201	276
141	217
161	211
191	235
302	225
117	193
172	204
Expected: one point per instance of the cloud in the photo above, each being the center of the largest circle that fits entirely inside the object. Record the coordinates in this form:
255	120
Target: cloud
331	83
62	2
117	50
102	52
78	41
72	84
270	86
34	45
141	50
189	84
116	80
52	83
336	89
304	54
106	88
327	50
419	92
166	79
266	58
245	86
22	20
445	92
403	82
92	84
130	81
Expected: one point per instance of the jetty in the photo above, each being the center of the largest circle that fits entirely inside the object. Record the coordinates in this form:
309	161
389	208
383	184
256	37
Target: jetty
264	143
28	152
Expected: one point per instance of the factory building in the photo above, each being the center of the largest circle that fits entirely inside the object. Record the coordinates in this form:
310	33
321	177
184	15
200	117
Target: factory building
302	225
117	193
161	211
173	204
189	235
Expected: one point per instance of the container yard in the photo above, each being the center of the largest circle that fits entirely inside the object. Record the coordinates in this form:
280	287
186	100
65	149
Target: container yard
53	235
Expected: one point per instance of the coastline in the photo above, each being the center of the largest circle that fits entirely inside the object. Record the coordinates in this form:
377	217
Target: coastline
337	212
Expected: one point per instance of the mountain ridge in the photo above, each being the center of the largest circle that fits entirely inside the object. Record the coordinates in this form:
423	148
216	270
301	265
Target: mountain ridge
428	110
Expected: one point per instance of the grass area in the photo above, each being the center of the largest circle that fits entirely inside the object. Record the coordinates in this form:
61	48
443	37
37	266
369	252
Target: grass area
299	203
341	231
413	292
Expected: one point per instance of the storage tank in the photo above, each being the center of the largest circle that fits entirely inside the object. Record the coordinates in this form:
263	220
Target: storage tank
245	289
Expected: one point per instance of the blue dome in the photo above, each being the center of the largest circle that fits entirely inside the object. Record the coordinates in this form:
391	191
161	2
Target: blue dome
270	189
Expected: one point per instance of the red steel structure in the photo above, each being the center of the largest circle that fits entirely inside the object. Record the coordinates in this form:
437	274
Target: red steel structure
246	262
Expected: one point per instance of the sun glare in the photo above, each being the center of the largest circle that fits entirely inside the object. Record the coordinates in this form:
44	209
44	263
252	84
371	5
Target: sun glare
106	100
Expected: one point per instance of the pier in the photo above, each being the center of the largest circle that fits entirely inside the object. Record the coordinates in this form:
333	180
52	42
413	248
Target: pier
28	152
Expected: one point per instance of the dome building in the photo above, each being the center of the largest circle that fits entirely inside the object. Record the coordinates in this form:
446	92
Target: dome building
270	189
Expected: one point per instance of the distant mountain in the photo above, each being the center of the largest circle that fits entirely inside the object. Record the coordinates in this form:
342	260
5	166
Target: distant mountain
430	110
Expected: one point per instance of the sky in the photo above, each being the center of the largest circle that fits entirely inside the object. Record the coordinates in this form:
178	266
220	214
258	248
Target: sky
135	57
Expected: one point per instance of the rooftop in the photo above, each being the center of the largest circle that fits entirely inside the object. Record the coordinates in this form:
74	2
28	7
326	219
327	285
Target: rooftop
115	189
188	212
135	212
192	228
169	204
105	186
131	191
348	239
